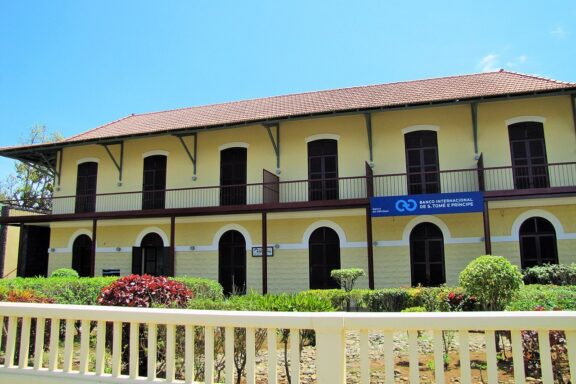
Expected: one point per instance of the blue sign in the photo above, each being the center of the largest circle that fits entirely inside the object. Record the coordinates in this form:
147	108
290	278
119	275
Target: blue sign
431	204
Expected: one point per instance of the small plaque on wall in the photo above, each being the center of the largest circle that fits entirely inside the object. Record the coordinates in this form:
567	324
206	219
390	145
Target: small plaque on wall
111	272
257	251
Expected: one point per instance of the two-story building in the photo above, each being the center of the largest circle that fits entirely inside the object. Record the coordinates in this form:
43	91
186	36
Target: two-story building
272	194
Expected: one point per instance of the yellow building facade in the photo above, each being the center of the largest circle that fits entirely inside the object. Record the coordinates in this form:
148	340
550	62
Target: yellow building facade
202	191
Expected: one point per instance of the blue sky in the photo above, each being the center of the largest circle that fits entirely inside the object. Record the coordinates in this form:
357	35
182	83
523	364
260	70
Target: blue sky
74	65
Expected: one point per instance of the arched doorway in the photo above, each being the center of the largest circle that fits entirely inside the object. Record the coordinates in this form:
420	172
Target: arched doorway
232	262
151	257
427	255
324	256
82	256
537	242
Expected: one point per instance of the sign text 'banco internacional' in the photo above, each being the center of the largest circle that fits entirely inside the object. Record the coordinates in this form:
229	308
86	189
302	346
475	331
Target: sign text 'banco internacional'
430	204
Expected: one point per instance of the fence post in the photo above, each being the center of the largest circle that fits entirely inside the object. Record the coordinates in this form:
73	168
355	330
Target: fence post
331	355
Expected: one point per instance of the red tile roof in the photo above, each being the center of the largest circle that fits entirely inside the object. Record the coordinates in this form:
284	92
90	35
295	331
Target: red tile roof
438	90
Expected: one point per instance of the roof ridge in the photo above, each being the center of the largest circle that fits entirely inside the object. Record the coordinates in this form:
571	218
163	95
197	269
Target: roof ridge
311	93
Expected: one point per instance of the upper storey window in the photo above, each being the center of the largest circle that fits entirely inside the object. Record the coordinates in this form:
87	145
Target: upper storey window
233	173
528	153
422	162
323	169
86	187
154	182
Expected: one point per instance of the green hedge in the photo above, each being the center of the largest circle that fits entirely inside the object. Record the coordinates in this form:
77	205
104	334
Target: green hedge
557	274
546	297
85	290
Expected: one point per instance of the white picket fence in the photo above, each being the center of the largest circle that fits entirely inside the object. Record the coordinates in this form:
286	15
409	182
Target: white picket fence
78	351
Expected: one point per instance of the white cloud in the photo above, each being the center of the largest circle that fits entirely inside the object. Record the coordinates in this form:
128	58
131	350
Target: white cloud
559	32
489	63
517	61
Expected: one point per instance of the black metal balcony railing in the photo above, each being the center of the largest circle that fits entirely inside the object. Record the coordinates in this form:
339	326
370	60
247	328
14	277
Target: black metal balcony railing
495	181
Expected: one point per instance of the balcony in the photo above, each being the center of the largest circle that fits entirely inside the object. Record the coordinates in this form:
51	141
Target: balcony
275	194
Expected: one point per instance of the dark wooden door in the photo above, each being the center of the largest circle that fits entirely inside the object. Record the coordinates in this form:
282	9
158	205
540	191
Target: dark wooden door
232	262
528	153
324	256
233	176
154	182
82	256
33	251
427	255
152	257
422	162
86	187
537	243
323	170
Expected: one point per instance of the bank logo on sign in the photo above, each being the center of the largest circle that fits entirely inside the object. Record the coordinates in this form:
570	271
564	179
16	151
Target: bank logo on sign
409	205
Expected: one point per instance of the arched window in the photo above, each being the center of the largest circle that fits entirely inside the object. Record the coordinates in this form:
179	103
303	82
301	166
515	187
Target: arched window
323	169
86	187
427	255
233	174
422	162
154	182
324	256
232	262
82	256
151	257
528	153
537	242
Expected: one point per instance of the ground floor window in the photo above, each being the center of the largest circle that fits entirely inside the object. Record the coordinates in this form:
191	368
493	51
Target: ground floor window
151	257
82	256
324	256
232	262
427	255
537	242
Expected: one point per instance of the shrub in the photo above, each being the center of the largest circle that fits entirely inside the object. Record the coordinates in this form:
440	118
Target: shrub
145	291
65	272
388	300
457	300
337	298
347	277
492	280
202	288
557	274
25	296
414	309
547	297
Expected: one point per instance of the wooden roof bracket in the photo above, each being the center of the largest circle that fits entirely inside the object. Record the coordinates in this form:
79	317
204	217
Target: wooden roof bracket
275	141
48	163
119	164
368	119
573	101
59	156
193	157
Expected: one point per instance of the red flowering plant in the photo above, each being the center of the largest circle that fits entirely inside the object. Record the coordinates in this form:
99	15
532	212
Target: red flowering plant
460	301
145	291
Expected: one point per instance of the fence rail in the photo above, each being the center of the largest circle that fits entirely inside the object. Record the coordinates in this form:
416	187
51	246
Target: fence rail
274	191
45	343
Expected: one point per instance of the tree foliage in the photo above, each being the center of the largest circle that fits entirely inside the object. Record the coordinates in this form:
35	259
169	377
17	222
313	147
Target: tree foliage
31	186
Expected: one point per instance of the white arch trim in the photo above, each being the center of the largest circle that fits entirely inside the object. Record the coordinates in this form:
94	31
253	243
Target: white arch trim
324	223
525	119
420	127
235	144
155	230
88	160
322	136
79	232
426	219
536	213
232	227
155	153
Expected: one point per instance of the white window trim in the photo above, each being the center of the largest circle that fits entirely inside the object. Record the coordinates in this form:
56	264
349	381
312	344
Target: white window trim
525	119
155	153
515	235
79	232
322	136
420	127
325	223
426	219
236	144
88	160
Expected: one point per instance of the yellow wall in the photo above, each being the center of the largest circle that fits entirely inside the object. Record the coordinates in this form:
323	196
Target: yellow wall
11	252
